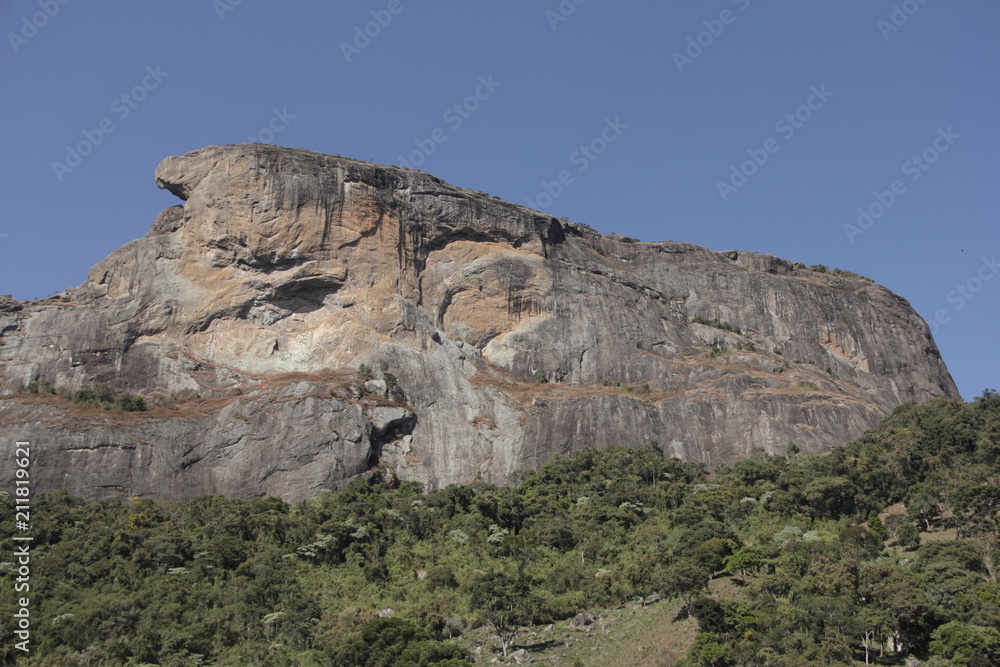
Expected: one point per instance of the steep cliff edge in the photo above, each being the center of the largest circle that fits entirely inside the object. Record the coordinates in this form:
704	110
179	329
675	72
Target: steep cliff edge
303	316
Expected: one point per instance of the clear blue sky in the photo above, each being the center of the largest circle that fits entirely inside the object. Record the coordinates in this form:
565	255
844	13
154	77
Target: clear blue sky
680	116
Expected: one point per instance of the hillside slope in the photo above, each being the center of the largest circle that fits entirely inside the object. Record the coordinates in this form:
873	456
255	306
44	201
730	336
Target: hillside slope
881	550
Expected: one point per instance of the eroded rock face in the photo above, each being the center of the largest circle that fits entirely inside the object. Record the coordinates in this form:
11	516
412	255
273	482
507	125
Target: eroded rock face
324	314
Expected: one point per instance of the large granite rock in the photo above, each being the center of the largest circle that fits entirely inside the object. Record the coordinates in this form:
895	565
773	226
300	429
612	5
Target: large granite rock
317	316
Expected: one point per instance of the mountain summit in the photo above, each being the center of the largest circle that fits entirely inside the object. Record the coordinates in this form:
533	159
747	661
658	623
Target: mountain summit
302	318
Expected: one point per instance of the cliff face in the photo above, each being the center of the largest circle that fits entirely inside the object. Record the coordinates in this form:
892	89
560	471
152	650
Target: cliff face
303	316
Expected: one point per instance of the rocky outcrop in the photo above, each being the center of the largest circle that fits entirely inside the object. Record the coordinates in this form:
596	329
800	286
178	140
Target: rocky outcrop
304	317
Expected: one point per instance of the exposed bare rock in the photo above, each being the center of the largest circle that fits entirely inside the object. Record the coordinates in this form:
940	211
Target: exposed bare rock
325	314
9	304
521	656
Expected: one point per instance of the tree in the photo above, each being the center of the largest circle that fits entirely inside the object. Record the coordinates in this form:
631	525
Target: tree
876	527
876	627
708	651
506	603
726	618
387	642
746	559
976	510
923	504
987	544
711	615
712	553
831	496
900	604
966	644
685	578
907	536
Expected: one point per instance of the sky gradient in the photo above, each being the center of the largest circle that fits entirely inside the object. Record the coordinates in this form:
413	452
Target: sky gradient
858	135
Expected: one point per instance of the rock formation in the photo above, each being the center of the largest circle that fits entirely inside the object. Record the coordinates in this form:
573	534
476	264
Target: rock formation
302	318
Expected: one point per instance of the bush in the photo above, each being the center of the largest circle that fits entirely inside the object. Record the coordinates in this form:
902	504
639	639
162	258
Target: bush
104	396
841	273
34	388
724	326
717	351
104	393
84	396
130	403
709	651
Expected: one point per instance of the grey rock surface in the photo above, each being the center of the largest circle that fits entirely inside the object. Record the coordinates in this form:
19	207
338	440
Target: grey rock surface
491	337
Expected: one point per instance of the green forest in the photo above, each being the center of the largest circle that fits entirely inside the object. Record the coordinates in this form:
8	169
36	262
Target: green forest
883	549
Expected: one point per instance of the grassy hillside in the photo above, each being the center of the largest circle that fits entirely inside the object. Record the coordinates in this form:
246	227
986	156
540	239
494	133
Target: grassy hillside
884	549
